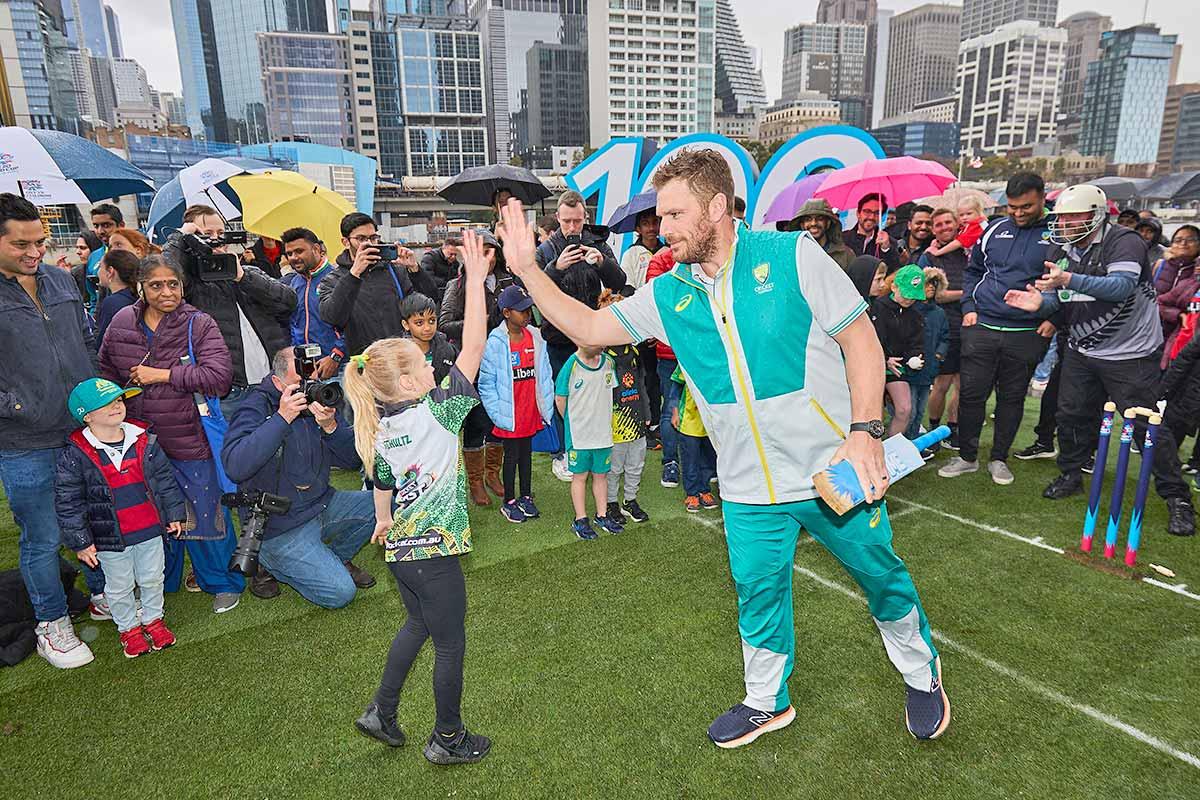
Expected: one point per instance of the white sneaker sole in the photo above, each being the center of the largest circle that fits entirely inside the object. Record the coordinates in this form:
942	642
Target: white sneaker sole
781	721
1001	480
945	472
76	661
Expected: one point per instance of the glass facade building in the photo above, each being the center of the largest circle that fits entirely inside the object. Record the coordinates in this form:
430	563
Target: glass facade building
1124	95
829	58
918	139
739	83
307	85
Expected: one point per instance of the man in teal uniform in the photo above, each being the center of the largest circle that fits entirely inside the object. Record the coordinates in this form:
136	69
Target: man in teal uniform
780	357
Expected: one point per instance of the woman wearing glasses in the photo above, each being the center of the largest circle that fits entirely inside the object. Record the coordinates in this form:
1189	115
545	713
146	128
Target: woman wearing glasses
1176	281
145	345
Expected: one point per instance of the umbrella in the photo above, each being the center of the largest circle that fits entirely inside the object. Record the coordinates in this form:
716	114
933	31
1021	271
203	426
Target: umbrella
625	217
277	200
999	196
205	182
54	168
1118	188
952	197
898	180
475	186
1052	195
787	203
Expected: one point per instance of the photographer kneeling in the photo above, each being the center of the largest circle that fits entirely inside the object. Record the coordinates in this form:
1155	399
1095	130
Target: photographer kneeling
280	444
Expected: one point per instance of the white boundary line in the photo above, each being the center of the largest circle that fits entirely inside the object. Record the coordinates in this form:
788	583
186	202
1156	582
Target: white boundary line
1037	541
1008	672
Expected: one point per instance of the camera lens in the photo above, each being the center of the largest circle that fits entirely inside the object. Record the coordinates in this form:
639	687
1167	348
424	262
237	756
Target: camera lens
329	395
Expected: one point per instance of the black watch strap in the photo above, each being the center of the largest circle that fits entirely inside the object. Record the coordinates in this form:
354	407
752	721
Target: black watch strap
873	427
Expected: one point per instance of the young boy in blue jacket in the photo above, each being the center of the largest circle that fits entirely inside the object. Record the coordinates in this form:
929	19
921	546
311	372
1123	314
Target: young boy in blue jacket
937	344
116	496
516	385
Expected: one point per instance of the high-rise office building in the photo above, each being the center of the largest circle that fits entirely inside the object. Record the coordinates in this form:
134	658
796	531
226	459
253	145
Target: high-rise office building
307	85
1083	47
1124	95
829	58
739	84
650	68
218	60
1180	126
556	77
922	57
981	17
509	30
173	107
25	65
112	25
87	27
1008	82
129	82
864	12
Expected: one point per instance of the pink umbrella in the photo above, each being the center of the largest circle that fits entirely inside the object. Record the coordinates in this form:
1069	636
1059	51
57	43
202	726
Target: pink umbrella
898	180
787	203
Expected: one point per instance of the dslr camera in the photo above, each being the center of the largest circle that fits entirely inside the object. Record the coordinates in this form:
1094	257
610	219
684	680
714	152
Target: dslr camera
325	393
259	506
209	266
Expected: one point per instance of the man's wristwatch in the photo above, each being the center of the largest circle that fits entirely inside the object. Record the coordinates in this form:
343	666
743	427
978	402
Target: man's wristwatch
874	427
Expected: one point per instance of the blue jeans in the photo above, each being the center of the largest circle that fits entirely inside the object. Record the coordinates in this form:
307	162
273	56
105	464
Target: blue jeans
1046	365
28	478
231	401
920	400
670	399
141	566
311	559
699	463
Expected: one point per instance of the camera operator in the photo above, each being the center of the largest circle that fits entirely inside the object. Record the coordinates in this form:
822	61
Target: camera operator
279	443
361	297
252	310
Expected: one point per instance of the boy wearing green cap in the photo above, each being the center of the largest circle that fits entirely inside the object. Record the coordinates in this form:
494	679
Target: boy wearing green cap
901	331
115	497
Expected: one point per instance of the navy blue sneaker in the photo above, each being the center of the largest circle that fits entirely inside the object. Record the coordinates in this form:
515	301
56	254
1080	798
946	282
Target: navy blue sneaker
635	512
512	511
528	508
741	725
609	524
927	714
670	476
583	530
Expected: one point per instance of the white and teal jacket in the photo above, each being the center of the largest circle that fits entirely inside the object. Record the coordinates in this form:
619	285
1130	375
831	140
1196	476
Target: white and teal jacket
756	346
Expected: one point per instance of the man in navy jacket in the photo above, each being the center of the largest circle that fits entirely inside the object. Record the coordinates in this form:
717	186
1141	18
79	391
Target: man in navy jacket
278	443
1001	345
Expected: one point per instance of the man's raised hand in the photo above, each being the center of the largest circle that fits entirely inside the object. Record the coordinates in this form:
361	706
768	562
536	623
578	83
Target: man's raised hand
518	236
474	261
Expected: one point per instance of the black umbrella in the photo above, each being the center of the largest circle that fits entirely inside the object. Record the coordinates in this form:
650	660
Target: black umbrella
476	186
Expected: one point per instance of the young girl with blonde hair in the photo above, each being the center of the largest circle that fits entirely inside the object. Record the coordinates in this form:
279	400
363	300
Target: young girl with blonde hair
406	431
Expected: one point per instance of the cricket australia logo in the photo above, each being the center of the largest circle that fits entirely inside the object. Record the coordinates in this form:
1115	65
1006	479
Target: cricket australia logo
762	274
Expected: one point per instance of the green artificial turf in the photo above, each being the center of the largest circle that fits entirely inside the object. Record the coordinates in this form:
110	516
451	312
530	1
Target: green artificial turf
596	667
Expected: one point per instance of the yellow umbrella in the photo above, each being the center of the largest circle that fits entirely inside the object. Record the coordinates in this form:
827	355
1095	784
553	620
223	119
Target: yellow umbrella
274	201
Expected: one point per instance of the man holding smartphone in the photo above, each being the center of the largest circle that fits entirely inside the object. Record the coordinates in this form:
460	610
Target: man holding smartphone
580	262
374	272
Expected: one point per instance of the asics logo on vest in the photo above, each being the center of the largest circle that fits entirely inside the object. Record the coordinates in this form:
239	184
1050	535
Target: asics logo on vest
683	303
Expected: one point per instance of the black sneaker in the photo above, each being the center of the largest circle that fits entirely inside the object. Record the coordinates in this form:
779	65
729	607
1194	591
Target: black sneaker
635	512
1037	450
1089	466
362	579
1191	468
741	725
927	714
1181	519
372	723
263	585
1065	485
462	748
608	524
614	512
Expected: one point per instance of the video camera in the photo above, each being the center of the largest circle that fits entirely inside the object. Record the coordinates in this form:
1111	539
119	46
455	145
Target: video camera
211	267
325	393
260	505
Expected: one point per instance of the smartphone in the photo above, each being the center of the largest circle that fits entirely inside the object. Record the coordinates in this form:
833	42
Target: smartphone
387	253
575	240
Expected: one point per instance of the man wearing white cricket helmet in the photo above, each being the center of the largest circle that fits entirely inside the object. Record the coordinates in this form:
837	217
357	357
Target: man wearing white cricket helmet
1101	289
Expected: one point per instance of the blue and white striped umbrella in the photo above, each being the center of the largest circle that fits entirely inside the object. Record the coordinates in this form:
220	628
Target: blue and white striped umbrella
204	182
54	168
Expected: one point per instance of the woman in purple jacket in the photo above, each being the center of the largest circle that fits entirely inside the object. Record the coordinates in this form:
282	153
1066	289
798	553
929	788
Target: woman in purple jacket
145	345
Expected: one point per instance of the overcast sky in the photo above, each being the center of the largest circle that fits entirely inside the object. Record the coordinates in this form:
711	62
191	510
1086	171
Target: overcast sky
149	36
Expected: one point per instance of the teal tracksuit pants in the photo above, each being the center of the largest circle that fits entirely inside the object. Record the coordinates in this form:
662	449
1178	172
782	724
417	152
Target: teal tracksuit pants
762	549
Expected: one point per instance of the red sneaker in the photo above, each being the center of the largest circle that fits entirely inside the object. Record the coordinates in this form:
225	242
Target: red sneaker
134	643
691	503
160	635
707	501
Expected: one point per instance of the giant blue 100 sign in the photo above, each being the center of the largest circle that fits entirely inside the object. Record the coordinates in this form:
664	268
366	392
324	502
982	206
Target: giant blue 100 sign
614	173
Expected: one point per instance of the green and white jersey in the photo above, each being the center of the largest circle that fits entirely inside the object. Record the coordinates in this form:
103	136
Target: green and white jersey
587	421
756	347
417	453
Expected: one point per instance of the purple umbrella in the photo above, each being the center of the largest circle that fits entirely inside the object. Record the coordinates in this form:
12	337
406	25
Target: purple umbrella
787	203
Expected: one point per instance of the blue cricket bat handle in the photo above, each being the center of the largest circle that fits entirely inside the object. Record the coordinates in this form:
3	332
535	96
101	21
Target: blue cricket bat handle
838	483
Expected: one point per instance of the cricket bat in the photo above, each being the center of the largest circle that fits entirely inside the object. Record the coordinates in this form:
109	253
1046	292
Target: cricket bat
838	483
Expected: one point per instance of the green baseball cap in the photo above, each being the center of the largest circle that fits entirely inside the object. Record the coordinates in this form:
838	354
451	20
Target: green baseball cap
910	281
94	394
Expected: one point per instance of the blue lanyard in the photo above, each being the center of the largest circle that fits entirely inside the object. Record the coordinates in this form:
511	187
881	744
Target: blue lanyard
395	280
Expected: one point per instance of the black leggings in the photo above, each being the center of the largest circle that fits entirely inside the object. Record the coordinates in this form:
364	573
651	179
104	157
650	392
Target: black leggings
435	595
518	454
477	429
